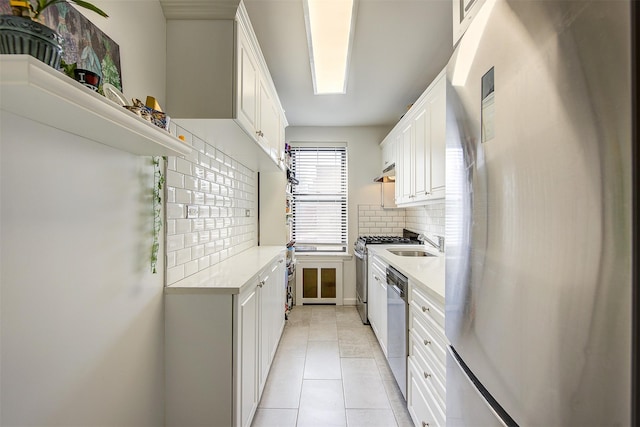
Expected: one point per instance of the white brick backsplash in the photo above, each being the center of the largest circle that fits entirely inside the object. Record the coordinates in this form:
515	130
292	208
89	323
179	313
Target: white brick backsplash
175	273
175	242
171	259
175	211
375	220
190	183
183	226
221	189
171	226
191	268
184	166
171	194
190	239
182	195
174	179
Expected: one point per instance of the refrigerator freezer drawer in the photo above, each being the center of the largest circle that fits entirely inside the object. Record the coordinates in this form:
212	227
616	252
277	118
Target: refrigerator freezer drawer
466	404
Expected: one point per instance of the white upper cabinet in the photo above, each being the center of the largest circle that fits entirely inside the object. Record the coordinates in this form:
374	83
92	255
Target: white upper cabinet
388	152
215	70
420	147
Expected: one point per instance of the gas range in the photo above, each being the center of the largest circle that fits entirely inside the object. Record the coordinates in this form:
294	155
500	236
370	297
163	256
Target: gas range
408	238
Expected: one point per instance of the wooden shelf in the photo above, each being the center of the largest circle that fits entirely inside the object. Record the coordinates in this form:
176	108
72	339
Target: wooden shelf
32	89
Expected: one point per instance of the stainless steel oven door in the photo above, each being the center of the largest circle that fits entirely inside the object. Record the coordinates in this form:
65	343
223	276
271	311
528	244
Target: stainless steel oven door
361	286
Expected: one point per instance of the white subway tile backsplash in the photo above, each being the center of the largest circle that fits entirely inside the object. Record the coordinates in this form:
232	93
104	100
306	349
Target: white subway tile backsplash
375	220
190	239
221	189
175	273
182	195
183	256
183	226
171	226
175	242
190	183
174	179
175	210
184	166
191	268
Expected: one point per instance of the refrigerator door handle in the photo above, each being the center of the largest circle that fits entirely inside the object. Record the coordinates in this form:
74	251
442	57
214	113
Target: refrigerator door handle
484	394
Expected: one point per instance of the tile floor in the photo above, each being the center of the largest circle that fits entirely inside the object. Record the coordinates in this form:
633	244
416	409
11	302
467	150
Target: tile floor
329	370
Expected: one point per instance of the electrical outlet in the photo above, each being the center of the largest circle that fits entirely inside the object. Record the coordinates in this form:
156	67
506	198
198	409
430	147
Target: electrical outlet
192	211
247	212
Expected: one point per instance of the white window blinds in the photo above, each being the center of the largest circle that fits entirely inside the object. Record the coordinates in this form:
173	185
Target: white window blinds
320	198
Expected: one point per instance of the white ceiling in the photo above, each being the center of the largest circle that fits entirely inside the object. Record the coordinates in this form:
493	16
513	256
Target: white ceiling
399	46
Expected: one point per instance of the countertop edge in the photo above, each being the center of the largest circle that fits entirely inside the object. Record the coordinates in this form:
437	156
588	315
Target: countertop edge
226	277
411	267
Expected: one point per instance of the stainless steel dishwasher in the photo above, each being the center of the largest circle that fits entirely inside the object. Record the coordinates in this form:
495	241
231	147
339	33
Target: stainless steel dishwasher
397	331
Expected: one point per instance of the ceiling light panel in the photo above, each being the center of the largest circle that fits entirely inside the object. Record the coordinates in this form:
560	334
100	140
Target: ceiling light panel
329	26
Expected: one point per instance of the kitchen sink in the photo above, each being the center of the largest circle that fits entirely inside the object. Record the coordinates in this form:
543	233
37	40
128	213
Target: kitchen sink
412	252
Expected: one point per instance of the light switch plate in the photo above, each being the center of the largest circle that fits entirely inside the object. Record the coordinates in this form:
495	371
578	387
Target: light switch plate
192	211
247	212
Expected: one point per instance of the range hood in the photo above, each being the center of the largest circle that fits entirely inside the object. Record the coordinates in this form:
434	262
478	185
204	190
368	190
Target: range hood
388	174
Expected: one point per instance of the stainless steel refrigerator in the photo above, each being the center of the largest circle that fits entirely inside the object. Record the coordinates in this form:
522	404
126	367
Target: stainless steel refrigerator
539	216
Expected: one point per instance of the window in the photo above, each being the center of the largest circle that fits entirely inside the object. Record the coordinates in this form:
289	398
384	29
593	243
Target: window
320	198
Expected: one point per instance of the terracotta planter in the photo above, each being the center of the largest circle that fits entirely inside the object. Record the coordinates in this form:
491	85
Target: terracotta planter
23	36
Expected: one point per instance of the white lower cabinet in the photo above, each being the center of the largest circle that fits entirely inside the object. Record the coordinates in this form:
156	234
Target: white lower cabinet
377	299
248	355
426	388
219	348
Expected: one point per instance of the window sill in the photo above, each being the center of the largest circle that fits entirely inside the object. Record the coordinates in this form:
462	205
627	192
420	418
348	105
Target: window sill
325	255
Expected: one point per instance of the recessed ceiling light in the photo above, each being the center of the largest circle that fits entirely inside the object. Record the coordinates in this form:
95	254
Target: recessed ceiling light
329	26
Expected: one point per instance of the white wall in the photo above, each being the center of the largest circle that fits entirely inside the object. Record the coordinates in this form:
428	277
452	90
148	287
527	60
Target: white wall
364	158
81	315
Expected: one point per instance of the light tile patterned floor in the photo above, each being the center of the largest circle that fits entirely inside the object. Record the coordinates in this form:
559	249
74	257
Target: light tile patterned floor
330	371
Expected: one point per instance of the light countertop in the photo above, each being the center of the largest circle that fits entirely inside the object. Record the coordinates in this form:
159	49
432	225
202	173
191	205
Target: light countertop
228	276
426	271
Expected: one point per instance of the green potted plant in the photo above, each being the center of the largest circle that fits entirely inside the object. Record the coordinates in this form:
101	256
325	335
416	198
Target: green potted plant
21	33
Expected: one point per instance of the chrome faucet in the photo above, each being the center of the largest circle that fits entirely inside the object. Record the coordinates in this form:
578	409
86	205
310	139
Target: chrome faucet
439	246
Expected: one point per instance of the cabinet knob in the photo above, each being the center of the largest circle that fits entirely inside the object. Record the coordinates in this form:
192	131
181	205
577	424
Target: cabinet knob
261	284
259	133
426	193
427	342
427	376
425	424
376	277
425	309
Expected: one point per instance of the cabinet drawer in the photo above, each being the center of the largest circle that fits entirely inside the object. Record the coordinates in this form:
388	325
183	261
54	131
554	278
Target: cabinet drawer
425	304
429	335
433	372
422	405
380	265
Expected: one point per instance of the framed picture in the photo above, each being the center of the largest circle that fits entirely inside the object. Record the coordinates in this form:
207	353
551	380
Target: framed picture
84	44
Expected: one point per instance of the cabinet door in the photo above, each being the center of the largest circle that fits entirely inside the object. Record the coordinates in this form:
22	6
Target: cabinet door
248	329
406	166
437	138
247	83
268	128
399	167
271	297
264	328
421	158
372	298
382	313
388	152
